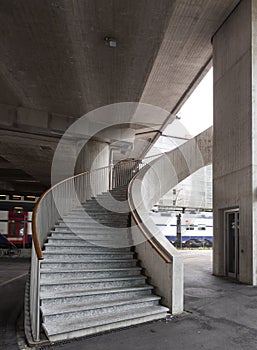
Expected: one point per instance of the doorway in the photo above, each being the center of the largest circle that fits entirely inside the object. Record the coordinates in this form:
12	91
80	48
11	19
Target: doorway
232	242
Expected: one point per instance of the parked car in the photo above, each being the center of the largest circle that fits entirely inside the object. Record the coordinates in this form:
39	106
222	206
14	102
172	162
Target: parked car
198	243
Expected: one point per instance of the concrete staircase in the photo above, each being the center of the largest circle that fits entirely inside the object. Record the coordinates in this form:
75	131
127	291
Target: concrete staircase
90	280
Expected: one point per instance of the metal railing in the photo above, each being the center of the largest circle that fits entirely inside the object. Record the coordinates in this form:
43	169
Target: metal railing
60	200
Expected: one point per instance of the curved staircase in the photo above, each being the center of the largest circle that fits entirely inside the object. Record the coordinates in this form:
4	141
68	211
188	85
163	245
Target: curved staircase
90	278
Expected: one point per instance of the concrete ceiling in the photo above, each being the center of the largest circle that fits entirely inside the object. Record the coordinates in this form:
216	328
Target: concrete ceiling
55	67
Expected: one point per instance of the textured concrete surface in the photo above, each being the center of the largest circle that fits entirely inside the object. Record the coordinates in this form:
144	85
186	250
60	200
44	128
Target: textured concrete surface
148	186
220	315
55	66
234	137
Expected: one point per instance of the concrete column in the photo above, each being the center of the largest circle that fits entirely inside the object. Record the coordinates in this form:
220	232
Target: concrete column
235	136
94	155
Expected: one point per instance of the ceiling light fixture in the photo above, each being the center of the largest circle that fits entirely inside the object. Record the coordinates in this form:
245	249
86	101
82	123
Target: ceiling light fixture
111	42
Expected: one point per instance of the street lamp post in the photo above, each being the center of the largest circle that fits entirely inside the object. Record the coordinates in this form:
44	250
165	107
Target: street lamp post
179	240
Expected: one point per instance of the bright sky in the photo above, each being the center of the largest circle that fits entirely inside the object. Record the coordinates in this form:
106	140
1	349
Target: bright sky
197	112
196	116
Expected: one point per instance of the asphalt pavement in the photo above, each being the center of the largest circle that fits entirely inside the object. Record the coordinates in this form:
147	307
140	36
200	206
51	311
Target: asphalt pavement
13	275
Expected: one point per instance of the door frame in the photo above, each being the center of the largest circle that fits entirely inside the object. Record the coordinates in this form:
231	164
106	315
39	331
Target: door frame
234	275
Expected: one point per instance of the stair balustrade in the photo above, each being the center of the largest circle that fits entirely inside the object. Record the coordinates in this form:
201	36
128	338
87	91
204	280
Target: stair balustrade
61	199
151	177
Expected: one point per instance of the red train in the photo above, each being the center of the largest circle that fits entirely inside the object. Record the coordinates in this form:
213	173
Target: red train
16	220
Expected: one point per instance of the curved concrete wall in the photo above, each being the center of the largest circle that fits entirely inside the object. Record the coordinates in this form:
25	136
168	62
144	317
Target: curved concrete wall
94	155
150	184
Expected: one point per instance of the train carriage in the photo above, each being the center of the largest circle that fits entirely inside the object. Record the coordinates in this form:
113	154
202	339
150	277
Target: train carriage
16	220
194	226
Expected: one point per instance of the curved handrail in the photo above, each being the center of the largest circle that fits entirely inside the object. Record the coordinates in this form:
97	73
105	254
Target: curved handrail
46	214
35	234
117	166
202	146
162	261
144	231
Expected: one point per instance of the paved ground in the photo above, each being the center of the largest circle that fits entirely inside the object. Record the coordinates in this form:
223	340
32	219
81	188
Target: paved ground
221	315
13	274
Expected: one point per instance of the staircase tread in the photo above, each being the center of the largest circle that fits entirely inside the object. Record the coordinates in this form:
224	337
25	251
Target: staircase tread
84	244
78	293
82	306
82	248
95	236
58	270
84	260
82	280
94	321
72	252
87	229
102	232
66	235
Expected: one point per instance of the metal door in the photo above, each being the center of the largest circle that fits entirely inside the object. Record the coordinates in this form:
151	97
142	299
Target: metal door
232	242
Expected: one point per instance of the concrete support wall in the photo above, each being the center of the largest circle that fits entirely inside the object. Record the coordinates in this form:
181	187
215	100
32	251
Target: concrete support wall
167	278
159	258
94	155
235	136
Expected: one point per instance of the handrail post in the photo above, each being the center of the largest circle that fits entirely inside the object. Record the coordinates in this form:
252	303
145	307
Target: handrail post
110	176
38	302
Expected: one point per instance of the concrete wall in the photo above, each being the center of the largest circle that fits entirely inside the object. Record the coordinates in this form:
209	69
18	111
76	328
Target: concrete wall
166	277
164	263
234	137
94	155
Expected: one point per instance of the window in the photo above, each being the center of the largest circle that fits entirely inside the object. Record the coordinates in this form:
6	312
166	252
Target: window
12	228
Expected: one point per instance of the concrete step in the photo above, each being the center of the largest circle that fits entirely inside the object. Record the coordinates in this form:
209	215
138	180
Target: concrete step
62	313
92	325
90	225
99	213
114	233
109	209
52	264
97	237
89	283
93	221
98	229
94	296
76	254
49	274
90	220
61	245
94	283
104	243
104	240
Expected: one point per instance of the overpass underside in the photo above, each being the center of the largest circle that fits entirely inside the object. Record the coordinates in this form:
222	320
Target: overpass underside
57	63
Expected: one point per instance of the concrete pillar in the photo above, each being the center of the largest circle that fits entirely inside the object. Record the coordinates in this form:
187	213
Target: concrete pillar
235	136
94	155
